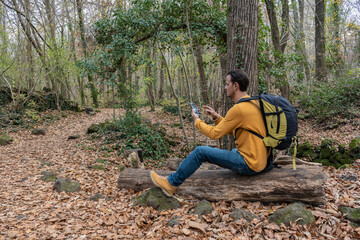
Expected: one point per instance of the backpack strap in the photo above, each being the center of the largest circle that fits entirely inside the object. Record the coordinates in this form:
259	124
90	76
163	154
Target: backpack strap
261	107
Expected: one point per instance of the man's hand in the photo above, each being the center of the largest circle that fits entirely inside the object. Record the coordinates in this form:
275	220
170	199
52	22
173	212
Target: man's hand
210	111
194	115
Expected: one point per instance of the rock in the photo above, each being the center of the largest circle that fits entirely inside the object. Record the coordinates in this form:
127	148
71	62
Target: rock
292	213
20	216
45	163
48	176
342	148
242	213
134	160
355	145
38	131
154	197
349	177
97	196
174	221
5	139
89	110
74	136
326	143
173	163
23	179
352	214
203	207
93	129
66	185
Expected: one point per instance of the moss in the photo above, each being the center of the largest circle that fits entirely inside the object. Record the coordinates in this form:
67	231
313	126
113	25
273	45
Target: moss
355	143
97	167
48	177
66	185
326	143
243	214
336	157
5	139
352	214
203	207
342	148
295	212
155	198
325	153
93	129
121	168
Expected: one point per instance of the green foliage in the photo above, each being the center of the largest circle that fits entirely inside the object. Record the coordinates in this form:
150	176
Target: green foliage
330	100
132	131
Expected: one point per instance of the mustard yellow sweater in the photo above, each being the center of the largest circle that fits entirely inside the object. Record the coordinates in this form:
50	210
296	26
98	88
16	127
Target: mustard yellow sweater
244	115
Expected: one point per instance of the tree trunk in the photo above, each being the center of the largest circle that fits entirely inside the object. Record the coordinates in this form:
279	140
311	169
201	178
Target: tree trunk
305	61
203	82
337	58
29	50
175	96
162	79
280	41
320	61
305	184
242	39
149	85
94	93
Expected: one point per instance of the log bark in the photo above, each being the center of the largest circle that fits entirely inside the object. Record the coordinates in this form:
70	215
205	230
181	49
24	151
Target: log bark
306	184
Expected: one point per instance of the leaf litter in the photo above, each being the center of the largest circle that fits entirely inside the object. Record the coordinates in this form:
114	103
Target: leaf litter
30	209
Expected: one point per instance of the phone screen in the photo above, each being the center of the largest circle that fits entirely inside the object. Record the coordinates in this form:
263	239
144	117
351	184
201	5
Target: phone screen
196	110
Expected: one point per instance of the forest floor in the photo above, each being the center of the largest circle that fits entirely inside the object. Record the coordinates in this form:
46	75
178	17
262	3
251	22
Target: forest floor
31	209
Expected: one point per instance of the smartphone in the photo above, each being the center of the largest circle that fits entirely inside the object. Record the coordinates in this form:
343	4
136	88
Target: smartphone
196	110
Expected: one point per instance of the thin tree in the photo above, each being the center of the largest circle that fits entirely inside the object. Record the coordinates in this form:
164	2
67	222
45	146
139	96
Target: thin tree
320	61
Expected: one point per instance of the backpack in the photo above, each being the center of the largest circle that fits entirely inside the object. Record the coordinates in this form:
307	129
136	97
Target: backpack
280	119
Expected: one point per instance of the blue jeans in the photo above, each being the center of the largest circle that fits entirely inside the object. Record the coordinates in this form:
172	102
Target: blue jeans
223	158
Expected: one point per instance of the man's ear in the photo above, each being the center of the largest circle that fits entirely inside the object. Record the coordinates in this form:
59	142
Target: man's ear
236	84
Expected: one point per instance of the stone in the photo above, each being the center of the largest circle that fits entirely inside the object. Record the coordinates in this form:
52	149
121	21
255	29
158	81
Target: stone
38	131
89	110
43	163
173	163
349	177
355	145
66	185
74	136
203	207
325	153
154	197
93	129
292	213
342	148
174	221
5	140
352	214
243	214
326	143
134	160
97	196
48	176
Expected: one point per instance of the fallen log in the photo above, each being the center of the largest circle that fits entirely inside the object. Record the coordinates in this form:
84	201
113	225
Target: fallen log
305	184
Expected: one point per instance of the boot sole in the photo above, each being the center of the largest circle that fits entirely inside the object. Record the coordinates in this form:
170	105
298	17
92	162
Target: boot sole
163	190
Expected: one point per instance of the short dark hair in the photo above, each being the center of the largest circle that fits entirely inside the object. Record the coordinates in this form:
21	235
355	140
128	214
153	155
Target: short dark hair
240	77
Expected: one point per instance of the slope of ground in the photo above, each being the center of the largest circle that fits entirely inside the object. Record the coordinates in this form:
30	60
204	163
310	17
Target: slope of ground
30	209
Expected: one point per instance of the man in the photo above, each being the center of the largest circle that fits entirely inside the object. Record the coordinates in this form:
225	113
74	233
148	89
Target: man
250	155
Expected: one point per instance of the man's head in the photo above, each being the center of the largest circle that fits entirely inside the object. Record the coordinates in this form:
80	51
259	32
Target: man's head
239	77
236	84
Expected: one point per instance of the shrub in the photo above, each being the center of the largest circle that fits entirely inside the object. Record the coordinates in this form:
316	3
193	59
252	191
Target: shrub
132	131
334	99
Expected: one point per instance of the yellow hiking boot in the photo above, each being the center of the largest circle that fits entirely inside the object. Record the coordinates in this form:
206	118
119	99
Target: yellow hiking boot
163	183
